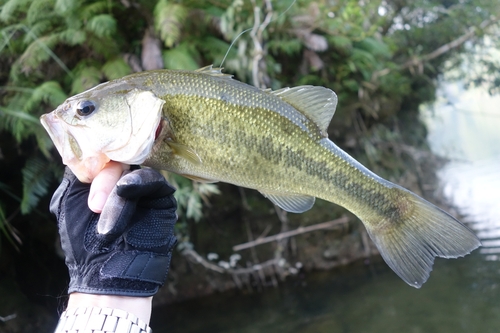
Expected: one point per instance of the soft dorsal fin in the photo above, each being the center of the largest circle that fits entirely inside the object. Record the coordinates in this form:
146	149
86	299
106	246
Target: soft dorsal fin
213	71
289	202
316	103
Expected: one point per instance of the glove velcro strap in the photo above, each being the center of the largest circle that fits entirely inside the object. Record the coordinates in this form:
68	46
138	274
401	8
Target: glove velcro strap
135	265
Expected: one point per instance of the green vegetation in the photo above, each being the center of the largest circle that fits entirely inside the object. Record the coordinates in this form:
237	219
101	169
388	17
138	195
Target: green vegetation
381	57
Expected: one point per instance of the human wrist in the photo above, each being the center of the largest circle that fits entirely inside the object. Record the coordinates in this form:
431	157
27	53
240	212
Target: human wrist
138	306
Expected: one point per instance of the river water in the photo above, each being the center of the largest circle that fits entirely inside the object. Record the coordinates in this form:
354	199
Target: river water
461	295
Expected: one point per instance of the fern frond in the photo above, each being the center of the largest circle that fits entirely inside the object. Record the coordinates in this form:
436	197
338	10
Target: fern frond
93	9
65	6
102	25
39	10
37	29
181	57
37	52
116	68
36	180
7	230
85	77
19	115
20	124
49	92
10	7
190	195
72	36
169	18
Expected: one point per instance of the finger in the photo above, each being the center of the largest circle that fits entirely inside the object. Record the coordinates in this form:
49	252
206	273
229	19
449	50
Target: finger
103	184
111	213
144	183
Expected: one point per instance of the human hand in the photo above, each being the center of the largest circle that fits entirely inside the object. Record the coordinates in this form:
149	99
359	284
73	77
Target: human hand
103	184
130	256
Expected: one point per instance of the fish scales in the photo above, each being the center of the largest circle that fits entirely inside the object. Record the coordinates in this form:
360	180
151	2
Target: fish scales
210	127
197	104
263	136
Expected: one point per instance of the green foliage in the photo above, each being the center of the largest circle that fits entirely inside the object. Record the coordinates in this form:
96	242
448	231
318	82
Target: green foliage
182	57
103	25
36	181
169	18
190	196
115	68
49	92
85	76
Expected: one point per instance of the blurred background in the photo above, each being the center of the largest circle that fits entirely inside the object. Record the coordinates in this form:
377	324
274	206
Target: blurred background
418	85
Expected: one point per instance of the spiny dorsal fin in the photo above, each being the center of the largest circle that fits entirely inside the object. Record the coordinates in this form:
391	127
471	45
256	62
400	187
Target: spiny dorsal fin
213	71
317	103
290	203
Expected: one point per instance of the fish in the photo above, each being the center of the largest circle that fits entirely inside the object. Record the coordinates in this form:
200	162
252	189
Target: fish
209	127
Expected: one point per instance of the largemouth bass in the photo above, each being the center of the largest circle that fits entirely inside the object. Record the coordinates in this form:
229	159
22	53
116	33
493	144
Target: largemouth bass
209	127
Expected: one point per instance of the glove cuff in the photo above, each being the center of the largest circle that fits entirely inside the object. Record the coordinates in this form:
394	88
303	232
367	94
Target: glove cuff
128	273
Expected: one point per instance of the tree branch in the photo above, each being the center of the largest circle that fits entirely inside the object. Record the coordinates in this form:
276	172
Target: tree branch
7	318
301	230
256	34
418	61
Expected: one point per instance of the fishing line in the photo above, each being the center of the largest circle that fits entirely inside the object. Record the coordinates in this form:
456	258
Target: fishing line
249	29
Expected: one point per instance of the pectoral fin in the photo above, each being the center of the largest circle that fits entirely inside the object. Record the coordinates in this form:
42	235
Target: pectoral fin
185	152
291	203
200	179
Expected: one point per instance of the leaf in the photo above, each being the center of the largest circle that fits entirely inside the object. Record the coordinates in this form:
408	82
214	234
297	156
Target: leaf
36	53
39	10
10	7
373	46
116	68
169	19
49	92
19	123
86	76
72	36
36	181
65	6
341	43
181	57
6	229
103	25
93	9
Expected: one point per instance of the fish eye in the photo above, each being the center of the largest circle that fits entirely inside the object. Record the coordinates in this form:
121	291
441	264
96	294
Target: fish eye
85	108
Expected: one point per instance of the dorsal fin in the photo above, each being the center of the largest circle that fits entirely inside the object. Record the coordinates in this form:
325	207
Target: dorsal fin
214	71
316	103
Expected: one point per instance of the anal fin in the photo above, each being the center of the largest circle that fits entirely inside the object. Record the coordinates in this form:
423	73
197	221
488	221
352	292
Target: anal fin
289	202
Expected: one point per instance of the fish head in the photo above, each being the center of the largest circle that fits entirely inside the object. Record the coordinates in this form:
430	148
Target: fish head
102	124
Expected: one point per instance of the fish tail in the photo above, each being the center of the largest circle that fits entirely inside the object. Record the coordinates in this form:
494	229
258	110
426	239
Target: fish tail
410	242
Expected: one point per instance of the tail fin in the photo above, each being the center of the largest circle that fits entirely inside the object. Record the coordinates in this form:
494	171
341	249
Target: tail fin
409	246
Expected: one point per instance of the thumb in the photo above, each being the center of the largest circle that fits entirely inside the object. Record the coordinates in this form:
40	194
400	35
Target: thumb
115	213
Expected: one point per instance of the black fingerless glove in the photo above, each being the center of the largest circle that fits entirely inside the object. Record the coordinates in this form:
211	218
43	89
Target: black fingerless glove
125	250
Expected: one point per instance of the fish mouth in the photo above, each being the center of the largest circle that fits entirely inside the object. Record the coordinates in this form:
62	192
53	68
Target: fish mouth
84	168
54	129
